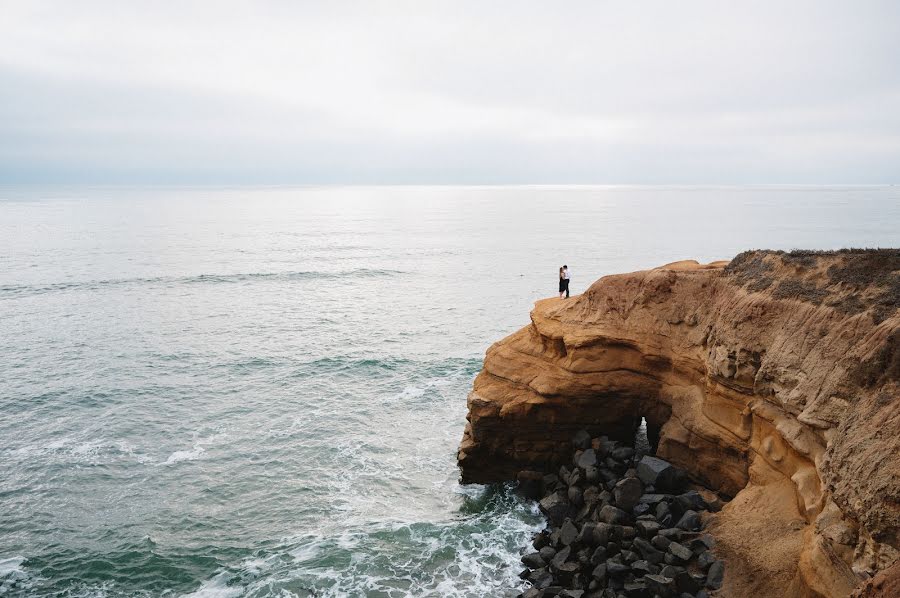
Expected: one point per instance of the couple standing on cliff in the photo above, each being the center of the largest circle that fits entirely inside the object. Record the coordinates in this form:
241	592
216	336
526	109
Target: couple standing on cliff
563	281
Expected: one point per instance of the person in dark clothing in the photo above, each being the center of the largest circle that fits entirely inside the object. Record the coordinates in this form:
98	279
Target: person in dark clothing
565	271
562	282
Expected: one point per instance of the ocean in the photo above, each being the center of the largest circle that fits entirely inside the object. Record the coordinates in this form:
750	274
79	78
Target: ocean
259	391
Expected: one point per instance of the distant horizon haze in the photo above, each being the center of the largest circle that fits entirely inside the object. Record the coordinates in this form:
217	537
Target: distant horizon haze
405	93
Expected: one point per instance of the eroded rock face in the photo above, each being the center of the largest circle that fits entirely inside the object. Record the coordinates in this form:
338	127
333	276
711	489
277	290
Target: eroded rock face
778	375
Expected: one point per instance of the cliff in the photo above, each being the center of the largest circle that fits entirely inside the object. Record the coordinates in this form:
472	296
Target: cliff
773	379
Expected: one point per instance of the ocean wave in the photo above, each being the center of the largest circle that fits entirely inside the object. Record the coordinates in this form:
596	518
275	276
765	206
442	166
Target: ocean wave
473	556
14	579
95	285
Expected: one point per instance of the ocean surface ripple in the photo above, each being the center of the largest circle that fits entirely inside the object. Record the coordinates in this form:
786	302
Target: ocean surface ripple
260	391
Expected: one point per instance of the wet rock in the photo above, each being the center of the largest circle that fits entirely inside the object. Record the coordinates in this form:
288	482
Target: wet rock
547	553
540	539
540	578
561	557
554	507
533	560
627	493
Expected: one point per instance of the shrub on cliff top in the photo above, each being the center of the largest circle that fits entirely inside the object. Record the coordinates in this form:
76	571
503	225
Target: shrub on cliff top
874	275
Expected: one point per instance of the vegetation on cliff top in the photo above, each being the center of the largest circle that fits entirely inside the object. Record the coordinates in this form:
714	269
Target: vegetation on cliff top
850	280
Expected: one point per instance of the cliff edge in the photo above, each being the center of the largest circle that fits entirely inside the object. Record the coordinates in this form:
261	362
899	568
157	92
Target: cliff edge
773	379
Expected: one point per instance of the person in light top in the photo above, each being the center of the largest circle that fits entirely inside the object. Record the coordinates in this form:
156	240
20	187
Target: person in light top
562	282
565	270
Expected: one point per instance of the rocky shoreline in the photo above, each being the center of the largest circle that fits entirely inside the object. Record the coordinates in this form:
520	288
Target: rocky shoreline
619	525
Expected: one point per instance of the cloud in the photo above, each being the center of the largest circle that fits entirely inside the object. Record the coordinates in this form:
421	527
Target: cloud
444	92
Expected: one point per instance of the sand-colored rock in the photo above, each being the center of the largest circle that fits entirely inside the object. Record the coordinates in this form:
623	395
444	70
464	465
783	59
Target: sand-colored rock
774	379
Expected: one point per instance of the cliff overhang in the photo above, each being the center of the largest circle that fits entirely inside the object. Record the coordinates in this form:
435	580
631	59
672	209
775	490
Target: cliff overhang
773	379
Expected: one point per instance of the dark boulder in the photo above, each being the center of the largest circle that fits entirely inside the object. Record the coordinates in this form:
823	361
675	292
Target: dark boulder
690	521
581	440
554	507
568	532
561	557
575	496
627	493
660	474
534	560
612	515
682	552
586	459
540	578
715	575
647	529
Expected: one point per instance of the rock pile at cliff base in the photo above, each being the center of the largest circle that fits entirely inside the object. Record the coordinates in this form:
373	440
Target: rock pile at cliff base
618	526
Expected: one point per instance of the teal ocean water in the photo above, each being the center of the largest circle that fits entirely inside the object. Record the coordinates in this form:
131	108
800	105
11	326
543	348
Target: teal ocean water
259	391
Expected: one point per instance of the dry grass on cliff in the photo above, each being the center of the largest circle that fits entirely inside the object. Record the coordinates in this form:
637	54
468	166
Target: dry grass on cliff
850	280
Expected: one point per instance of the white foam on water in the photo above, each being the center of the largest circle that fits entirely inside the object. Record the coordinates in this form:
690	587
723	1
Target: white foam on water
11	566
194	453
216	587
14	579
179	456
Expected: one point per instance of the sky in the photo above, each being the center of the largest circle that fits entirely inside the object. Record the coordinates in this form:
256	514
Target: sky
420	92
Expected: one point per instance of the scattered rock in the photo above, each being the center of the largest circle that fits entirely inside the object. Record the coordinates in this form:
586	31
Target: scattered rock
690	521
628	493
581	440
715	575
616	529
660	474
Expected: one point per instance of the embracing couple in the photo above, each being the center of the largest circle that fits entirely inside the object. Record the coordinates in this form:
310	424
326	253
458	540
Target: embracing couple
563	281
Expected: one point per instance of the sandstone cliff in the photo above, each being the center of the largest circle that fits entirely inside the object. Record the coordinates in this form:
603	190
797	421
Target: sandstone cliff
773	379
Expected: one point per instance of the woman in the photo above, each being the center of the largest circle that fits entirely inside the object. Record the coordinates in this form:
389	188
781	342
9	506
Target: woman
562	282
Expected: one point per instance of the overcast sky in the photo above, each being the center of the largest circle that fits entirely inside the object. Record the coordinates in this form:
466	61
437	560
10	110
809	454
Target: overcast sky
450	92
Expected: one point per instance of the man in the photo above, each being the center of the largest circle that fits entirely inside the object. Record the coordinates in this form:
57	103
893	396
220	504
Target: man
566	277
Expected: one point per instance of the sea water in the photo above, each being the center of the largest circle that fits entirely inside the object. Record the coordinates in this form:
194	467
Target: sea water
226	392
